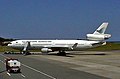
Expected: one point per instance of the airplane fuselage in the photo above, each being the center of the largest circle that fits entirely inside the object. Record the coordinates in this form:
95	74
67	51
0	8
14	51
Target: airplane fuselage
55	45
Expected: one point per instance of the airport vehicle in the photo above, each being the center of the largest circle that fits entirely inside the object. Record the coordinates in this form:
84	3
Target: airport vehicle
12	65
46	46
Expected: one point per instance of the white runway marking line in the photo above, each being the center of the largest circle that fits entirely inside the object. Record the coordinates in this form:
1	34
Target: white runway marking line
39	72
4	56
23	75
8	74
35	70
2	61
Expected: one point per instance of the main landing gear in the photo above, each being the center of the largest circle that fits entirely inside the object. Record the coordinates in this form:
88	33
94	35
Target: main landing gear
61	53
26	53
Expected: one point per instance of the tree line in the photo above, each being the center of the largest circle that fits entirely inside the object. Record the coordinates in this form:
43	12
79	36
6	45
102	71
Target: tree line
4	41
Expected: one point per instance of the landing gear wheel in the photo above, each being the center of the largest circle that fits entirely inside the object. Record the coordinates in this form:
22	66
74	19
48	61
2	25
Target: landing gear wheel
61	53
26	53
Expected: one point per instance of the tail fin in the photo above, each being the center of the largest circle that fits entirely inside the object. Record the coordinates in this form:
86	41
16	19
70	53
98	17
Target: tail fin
102	28
99	34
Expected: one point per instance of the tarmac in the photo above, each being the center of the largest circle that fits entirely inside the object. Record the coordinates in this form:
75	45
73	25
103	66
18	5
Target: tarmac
76	65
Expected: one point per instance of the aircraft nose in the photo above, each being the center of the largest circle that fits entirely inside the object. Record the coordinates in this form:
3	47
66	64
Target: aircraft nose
9	45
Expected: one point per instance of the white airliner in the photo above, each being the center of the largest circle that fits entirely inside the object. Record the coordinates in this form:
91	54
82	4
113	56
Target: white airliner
46	46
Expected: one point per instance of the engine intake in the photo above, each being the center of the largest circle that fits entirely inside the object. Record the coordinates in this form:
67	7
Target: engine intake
46	50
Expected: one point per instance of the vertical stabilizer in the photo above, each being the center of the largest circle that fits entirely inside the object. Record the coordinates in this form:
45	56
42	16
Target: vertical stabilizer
102	28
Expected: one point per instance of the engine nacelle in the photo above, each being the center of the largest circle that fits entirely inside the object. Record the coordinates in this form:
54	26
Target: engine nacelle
46	50
98	37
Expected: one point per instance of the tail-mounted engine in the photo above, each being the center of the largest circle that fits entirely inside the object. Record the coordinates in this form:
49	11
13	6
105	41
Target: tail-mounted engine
98	37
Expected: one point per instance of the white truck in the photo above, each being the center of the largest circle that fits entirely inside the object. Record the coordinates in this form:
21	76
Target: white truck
12	65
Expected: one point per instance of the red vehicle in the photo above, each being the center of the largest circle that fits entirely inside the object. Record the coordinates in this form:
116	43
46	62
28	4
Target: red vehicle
12	65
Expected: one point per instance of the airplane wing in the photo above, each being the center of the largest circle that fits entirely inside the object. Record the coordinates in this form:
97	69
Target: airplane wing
50	47
61	47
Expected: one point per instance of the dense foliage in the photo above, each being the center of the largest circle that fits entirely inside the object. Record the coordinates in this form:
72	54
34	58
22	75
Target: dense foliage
4	41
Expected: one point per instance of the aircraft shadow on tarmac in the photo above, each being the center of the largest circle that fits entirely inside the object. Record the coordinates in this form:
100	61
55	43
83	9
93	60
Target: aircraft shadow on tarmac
88	54
68	54
54	54
73	54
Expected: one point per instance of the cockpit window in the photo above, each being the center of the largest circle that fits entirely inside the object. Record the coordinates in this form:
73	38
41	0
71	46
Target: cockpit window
16	42
10	43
